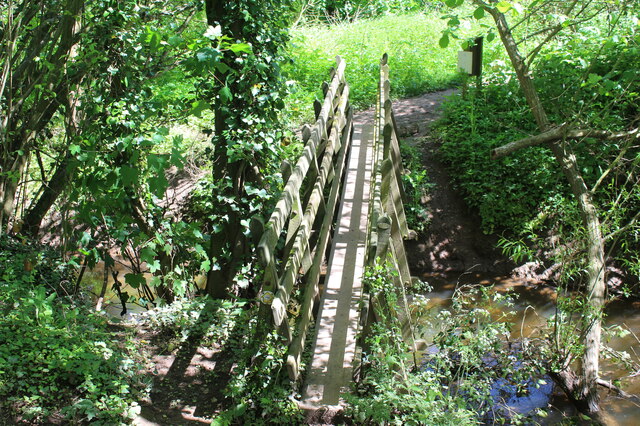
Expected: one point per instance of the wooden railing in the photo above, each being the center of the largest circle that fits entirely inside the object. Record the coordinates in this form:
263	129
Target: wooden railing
387	222
293	245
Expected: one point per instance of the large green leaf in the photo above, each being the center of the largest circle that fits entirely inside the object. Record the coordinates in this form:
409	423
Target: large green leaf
225	94
135	280
444	41
503	6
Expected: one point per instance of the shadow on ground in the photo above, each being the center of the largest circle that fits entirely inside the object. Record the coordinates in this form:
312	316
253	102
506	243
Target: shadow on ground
188	385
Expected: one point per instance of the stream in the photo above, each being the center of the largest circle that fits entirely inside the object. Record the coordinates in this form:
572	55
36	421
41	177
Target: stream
534	304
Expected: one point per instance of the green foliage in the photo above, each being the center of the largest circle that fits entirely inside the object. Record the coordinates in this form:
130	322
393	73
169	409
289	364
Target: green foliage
24	263
586	78
341	10
236	69
388	393
417	64
416	186
58	359
385	397
214	321
506	192
468	361
259	391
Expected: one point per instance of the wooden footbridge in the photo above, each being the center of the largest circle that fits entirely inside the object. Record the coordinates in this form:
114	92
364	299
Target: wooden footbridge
341	210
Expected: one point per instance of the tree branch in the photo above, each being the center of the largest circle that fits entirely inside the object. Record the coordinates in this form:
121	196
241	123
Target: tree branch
558	133
548	136
618	391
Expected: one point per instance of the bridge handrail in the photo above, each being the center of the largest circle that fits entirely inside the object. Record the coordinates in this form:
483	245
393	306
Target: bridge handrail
387	224
321	163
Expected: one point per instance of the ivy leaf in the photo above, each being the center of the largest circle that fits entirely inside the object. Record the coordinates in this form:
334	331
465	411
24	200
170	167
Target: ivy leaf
479	13
198	106
154	266
444	41
175	40
208	55
158	184
135	280
205	266
453	22
225	94
594	79
129	175
222	67
454	3
74	149
157	162
147	255
154	41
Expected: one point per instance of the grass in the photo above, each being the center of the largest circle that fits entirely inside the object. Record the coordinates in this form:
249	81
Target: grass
417	64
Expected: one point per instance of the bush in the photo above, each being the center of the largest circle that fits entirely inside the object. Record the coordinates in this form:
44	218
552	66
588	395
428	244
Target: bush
525	192
508	192
416	186
338	10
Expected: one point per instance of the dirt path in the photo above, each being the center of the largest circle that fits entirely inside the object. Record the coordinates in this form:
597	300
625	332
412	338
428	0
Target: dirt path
454	243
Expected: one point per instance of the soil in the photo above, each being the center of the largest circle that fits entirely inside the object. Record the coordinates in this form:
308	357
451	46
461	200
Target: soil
454	243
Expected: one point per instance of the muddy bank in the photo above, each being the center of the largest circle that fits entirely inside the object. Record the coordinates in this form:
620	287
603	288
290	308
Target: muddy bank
454	243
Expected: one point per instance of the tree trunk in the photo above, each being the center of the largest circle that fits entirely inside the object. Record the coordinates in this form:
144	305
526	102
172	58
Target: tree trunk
9	187
584	389
50	193
228	246
23	121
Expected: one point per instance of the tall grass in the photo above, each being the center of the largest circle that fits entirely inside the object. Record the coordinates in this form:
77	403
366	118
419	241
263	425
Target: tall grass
417	63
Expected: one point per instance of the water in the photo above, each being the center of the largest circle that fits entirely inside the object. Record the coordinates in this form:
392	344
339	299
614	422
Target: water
535	303
92	281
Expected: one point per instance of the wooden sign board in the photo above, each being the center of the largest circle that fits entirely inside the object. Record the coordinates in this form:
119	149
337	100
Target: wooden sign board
465	62
470	60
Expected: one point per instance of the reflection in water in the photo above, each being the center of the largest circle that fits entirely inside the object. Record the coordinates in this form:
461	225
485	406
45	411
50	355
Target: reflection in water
93	280
534	304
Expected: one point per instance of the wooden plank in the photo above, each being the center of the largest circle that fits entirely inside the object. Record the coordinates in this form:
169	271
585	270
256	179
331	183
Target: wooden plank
295	219
330	370
383	234
284	204
394	146
390	194
296	348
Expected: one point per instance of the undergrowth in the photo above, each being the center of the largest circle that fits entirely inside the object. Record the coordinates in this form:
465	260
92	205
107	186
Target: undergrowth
417	186
259	390
59	362
463	377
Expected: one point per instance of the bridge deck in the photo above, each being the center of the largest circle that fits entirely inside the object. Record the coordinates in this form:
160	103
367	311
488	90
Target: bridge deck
331	367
